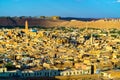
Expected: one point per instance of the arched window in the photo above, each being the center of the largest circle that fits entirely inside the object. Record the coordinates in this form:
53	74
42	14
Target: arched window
67	73
29	74
70	73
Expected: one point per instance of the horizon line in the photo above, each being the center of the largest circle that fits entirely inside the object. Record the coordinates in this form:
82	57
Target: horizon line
62	17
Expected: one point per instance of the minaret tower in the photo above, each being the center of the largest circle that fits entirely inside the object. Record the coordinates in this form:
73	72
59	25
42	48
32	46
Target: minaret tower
91	39
26	26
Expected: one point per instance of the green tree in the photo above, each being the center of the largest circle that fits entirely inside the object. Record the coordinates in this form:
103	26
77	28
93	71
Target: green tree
9	65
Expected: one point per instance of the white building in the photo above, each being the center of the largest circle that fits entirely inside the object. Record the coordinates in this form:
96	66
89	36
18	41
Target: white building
42	73
30	73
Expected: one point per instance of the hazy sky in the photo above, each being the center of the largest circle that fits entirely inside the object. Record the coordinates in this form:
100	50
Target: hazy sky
65	8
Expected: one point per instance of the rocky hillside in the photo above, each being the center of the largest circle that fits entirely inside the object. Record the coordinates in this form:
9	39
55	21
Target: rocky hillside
15	22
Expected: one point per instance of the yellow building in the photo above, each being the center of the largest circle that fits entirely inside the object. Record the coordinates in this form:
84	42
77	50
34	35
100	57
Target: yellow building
55	17
26	26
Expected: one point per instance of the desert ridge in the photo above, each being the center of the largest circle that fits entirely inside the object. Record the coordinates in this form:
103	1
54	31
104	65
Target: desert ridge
100	23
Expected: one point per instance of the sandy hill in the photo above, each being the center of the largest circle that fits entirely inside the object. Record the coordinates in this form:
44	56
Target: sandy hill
12	22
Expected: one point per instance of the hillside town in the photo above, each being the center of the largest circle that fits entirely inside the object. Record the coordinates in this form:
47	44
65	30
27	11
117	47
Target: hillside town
60	51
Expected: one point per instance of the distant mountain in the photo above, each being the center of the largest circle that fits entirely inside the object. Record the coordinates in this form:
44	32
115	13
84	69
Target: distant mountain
80	19
19	21
12	22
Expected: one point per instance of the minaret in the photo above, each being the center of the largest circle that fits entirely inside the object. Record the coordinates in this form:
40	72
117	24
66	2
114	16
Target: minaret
91	39
26	26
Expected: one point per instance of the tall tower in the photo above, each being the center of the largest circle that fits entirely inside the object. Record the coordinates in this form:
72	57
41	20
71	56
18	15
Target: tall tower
26	26
91	39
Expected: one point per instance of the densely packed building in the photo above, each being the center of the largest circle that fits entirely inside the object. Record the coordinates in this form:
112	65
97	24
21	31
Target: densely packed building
61	51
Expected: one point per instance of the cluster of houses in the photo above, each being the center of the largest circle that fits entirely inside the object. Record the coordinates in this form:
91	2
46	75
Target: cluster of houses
58	51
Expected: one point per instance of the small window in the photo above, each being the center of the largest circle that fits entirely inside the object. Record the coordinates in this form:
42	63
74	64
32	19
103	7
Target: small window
73	73
66	73
40	73
29	74
26	74
77	72
45	74
10	74
81	72
55	73
37	73
22	74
